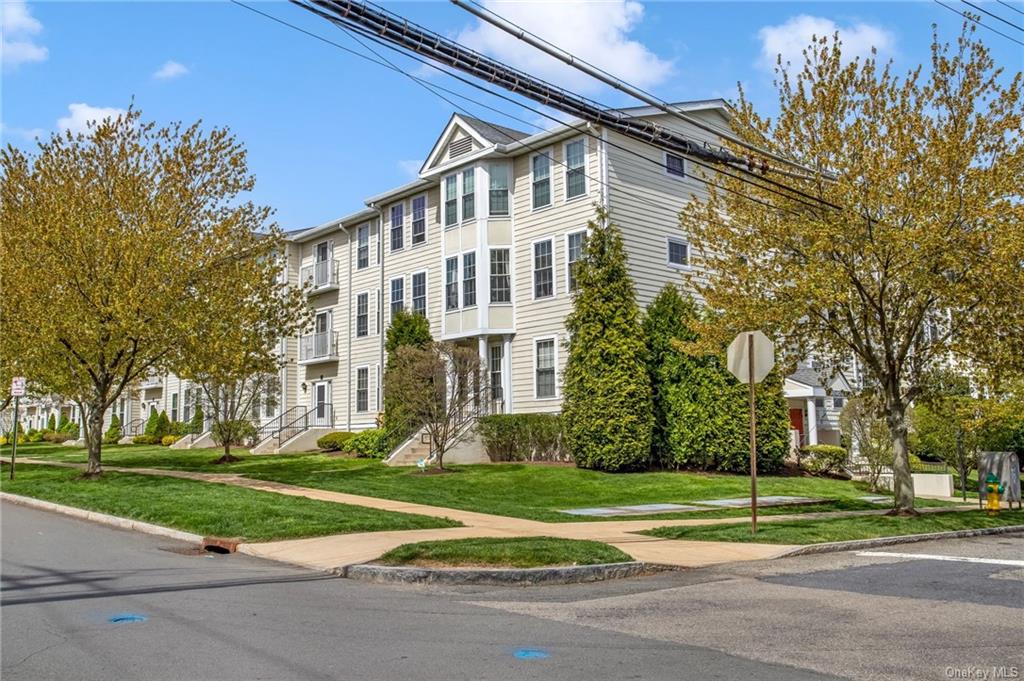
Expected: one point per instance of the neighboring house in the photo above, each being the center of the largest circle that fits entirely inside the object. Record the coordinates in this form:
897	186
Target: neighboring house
483	244
814	407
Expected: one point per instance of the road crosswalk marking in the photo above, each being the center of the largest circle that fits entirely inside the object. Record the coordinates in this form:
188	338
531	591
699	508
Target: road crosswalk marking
933	556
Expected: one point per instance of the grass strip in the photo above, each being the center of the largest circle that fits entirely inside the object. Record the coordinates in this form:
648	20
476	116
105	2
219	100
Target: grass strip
517	552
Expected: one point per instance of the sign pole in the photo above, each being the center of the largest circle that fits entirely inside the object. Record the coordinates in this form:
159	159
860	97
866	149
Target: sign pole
14	436
753	436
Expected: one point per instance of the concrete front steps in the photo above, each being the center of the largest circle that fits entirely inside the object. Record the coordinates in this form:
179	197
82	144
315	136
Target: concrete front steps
469	449
304	441
204	440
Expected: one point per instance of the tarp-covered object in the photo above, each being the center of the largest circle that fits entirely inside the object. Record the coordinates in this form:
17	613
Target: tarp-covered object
1006	467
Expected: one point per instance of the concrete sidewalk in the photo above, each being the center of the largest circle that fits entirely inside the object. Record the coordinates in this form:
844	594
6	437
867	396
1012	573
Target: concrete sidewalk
336	551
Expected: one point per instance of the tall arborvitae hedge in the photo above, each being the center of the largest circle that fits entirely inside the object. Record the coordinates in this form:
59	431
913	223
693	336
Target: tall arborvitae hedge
407	328
667	321
706	414
606	408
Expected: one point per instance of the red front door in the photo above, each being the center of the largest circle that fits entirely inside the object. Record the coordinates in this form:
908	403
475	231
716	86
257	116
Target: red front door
796	421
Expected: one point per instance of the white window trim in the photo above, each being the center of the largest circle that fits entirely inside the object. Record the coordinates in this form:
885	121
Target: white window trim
689	253
426	292
536	341
462	279
405	298
368	314
586	232
550	153
458	282
664	166
462	194
426	220
457	174
565	171
508	189
533	269
406	211
511	279
369	247
355	389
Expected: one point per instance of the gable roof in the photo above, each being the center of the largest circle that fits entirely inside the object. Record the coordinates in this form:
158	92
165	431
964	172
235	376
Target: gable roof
494	133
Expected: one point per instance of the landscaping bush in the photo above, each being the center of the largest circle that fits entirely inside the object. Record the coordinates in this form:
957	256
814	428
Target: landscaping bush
163	426
333	442
237	433
56	437
63	423
607	413
822	459
523	437
168	440
113	433
372	443
144	440
197	422
51	423
151	423
71	429
34	435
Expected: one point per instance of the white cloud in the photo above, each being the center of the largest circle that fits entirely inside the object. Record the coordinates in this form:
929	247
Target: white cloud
598	32
170	69
19	27
411	167
793	36
80	115
25	134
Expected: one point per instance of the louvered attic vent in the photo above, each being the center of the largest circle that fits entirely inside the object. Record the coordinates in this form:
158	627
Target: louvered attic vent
460	147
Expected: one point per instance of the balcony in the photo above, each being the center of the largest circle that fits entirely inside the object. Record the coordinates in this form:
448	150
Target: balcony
320	276
318	347
152	381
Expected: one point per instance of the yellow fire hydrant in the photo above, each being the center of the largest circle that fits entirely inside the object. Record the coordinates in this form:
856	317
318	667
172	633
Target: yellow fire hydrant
993	488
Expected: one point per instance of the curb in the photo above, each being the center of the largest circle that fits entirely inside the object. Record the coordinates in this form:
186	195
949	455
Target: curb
102	518
857	544
574	574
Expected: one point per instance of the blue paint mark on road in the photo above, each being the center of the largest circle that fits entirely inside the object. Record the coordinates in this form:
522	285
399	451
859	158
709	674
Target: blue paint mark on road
531	654
126	618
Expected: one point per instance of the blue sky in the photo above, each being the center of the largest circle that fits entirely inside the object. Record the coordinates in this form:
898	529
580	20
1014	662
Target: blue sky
325	129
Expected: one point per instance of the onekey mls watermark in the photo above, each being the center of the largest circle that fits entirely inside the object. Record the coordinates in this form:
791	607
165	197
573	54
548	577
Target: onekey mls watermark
984	673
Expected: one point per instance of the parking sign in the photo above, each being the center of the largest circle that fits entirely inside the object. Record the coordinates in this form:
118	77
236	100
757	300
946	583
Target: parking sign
18	386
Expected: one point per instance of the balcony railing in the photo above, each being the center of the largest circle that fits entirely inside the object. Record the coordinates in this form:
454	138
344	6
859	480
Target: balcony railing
318	347
320	276
152	381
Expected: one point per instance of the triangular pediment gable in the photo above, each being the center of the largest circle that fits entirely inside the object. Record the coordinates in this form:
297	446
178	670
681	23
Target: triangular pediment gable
459	140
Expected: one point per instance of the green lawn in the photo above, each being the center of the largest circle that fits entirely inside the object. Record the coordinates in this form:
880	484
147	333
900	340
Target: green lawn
535	492
206	508
518	552
841	529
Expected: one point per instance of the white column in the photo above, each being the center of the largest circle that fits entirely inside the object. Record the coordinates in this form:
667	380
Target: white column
506	372
812	422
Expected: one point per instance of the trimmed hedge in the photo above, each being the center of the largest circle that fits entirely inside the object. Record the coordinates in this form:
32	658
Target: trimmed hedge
168	440
822	459
113	433
333	442
371	443
56	437
145	440
523	437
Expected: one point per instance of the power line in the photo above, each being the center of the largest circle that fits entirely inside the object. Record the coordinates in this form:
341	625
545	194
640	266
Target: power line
604	76
994	16
978	22
1006	4
381	61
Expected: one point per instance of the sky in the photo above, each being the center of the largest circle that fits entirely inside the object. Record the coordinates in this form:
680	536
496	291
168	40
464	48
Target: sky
325	129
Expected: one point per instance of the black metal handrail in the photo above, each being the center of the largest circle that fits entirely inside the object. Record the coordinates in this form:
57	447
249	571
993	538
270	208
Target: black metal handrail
271	427
319	416
133	427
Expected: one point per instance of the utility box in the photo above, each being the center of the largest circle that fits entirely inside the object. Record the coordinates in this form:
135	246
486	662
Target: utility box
1006	467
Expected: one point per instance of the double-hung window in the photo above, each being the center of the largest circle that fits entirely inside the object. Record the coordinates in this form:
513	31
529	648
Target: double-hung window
541	180
451	200
573	252
575	169
419	293
451	283
398	227
678	252
174	406
419	220
498	189
675	165
501	276
362	315
397	295
543	269
495	360
545	368
468	194
363	389
363	250
468	279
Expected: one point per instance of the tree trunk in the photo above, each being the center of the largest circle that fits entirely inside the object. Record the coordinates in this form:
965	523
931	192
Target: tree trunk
94	440
902	480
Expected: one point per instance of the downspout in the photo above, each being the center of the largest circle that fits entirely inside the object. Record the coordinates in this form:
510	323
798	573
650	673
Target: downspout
348	339
380	300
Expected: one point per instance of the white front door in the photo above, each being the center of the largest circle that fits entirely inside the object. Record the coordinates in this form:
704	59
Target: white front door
322	404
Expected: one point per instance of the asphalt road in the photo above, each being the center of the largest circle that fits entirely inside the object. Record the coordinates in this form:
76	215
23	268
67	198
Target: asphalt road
235	617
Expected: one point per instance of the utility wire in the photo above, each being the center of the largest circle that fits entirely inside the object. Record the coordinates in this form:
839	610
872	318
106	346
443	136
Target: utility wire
1006	4
978	22
994	16
582	129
